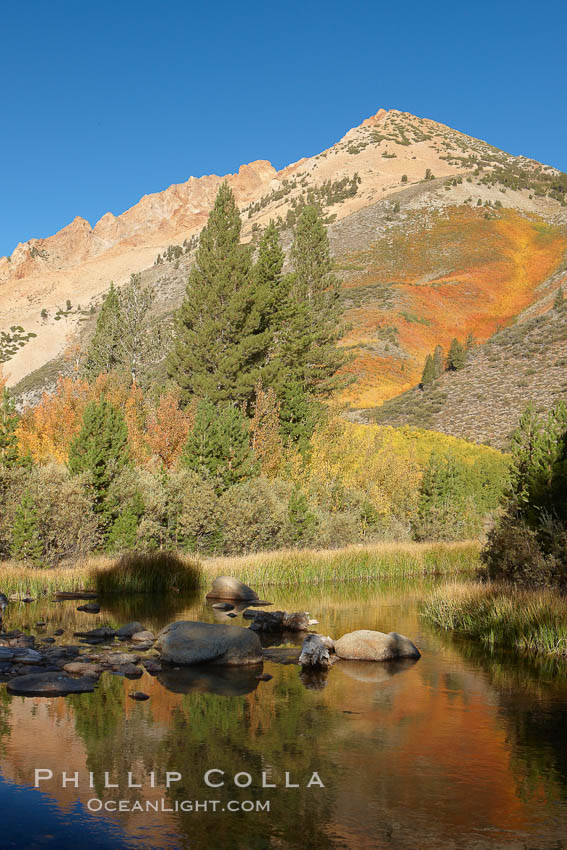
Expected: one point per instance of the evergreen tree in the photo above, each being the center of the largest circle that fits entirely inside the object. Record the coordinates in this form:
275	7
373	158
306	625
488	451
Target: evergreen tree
457	356
100	452
559	299
428	374
123	535
438	361
26	540
125	340
9	450
302	521
221	339
443	511
311	318
103	351
218	446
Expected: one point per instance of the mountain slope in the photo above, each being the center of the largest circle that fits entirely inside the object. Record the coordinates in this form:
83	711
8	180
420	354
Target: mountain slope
435	234
526	362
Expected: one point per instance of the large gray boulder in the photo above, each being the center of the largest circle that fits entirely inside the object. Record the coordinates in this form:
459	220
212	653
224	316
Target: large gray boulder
188	642
366	645
227	587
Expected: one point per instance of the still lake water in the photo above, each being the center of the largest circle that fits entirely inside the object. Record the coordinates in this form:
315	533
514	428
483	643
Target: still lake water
462	749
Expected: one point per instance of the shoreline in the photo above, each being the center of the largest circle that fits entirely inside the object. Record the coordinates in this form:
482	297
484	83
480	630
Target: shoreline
286	567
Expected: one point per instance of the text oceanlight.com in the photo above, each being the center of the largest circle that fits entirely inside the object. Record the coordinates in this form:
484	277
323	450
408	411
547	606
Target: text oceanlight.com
162	805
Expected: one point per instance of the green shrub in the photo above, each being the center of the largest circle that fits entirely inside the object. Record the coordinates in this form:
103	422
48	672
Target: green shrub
155	572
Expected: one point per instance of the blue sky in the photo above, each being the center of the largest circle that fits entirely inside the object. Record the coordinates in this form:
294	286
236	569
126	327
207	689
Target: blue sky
105	102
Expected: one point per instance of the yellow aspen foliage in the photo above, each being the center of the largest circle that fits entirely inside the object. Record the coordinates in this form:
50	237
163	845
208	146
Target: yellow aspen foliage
265	432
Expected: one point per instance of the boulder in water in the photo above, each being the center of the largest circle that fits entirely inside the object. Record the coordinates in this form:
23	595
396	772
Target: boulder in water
367	645
227	587
197	643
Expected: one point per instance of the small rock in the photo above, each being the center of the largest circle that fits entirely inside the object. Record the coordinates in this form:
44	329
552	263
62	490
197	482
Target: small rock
97	634
48	640
142	637
231	615
222	606
59	632
118	659
27	656
49	685
129	629
75	594
277	621
6	654
152	666
265	677
27	599
89	608
40	624
143	647
130	671
83	668
139	695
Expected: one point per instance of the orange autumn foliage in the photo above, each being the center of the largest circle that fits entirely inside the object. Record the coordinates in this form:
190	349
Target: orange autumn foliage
168	427
459	273
47	430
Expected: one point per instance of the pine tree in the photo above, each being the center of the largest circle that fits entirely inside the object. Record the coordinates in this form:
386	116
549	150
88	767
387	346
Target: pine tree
26	540
103	351
438	361
441	510
457	356
123	535
311	320
218	446
125	340
428	375
302	521
9	450
100	452
559	299
221	339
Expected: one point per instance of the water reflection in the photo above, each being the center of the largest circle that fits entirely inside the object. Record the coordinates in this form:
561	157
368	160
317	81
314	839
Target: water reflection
462	749
224	681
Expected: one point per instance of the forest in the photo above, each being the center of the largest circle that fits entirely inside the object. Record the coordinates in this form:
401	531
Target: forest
240	445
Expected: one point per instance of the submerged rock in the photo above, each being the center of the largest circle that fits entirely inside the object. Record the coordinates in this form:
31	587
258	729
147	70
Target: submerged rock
49	685
367	645
83	668
195	643
129	629
75	594
139	695
97	634
152	666
227	587
276	621
90	608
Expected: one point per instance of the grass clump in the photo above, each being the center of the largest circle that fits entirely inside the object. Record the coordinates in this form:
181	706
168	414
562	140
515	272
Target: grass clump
502	615
163	571
293	567
155	572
